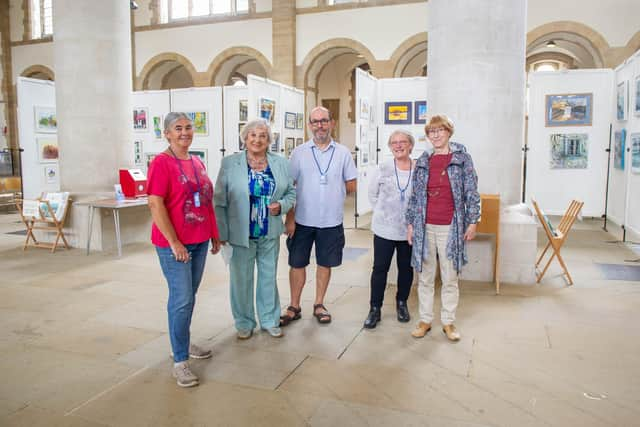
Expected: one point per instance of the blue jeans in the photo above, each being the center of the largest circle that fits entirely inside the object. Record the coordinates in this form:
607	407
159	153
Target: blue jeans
183	280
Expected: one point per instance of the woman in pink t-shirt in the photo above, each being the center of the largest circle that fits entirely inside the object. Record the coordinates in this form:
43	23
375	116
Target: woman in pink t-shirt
180	198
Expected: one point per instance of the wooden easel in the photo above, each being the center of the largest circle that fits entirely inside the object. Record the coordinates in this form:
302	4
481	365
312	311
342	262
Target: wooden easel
490	224
556	236
45	223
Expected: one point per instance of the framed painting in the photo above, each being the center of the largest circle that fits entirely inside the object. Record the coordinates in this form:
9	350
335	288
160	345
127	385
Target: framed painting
243	109
45	119
365	109
201	153
618	149
290	120
569	151
275	142
289	145
636	105
397	113
47	149
634	138
240	142
569	109
157	127
267	109
140	116
200	122
299	141
51	174
137	152
420	112
621	101
300	121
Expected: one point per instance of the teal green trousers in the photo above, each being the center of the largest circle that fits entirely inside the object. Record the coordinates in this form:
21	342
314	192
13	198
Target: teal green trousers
262	252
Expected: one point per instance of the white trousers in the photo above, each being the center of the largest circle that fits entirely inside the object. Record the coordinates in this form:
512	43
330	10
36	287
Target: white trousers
436	243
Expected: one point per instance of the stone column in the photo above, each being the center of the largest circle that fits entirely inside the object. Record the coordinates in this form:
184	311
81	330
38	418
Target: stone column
283	28
92	56
476	68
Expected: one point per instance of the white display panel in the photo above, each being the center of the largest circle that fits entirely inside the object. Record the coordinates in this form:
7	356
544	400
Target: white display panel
554	188
156	103
366	136
209	100
232	96
39	174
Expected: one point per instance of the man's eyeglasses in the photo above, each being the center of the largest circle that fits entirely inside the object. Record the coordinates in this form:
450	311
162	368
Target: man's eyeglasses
436	131
315	122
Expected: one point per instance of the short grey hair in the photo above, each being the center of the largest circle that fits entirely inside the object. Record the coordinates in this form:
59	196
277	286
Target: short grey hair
403	132
173	117
253	124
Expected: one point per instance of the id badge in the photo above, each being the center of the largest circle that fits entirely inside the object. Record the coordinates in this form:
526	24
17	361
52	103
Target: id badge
323	179
196	199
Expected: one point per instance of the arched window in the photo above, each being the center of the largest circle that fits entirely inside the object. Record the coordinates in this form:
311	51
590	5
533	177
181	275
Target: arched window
41	18
176	10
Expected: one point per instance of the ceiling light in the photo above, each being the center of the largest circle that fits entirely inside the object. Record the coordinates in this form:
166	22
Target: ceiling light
551	44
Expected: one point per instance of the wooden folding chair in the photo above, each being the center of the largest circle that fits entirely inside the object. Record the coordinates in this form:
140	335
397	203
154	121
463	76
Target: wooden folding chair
556	236
45	223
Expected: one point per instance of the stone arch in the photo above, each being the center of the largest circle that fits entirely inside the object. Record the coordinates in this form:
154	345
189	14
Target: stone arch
596	42
227	54
410	46
39	72
633	45
157	61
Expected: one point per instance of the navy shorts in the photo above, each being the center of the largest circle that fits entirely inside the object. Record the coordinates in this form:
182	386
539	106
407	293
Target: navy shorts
329	243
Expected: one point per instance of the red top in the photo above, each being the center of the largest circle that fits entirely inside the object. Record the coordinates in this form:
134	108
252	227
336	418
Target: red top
192	224
439	195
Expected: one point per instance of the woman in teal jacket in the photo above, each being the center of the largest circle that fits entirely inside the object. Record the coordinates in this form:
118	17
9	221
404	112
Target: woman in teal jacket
253	194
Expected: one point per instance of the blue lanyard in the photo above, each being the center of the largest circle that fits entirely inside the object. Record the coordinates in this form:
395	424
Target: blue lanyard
195	172
402	190
333	150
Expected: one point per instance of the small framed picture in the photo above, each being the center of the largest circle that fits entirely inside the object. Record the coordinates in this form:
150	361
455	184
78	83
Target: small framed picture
267	109
243	110
299	142
240	142
48	149
140	118
420	112
289	145
397	113
275	142
290	120
157	127
45	119
570	109
300	121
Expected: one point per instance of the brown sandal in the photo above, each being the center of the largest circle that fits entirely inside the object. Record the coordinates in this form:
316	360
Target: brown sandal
286	318
323	316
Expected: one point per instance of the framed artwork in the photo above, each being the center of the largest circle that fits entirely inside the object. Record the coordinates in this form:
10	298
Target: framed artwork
201	153
137	152
397	113
240	142
635	152
618	149
140	116
289	145
299	142
157	127
300	121
621	101
267	109
200	123
569	109
51	174
275	142
420	111
636	105
569	151
290	120
45	119
148	158
47	149
243	109
364	157
365	109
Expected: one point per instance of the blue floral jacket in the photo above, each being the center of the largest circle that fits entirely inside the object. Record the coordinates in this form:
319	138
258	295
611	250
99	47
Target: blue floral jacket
466	200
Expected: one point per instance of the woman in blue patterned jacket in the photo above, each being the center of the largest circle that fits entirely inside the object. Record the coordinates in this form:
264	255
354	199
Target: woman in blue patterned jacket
442	214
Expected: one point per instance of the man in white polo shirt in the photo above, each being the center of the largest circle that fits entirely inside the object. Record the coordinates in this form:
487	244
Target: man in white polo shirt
324	173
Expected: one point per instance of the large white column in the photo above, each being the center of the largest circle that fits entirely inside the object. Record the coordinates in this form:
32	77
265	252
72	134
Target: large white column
476	69
92	50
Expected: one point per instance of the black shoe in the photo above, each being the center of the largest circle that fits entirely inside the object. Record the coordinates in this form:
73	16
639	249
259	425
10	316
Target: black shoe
403	311
373	318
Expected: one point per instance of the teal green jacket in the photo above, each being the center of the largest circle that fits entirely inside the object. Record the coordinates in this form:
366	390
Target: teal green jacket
231	198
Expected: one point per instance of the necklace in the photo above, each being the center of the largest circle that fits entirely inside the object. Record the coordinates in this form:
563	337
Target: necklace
402	190
257	163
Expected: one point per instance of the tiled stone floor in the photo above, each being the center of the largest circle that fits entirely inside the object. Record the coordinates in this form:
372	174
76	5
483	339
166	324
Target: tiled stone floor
84	343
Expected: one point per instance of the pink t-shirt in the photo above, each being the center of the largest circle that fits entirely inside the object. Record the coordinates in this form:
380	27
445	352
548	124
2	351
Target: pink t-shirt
192	224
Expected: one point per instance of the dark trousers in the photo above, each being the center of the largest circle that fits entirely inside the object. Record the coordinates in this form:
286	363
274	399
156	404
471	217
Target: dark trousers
382	255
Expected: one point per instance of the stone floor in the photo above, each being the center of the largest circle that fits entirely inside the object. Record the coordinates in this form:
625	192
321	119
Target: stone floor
84	343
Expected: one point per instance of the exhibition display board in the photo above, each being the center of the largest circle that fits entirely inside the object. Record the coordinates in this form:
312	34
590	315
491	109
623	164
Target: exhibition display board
149	110
235	116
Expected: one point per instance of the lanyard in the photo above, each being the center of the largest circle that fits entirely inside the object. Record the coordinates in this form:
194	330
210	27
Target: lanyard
402	190
333	150
195	173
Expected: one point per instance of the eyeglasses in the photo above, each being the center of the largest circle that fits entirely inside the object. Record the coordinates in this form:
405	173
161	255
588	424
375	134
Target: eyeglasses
400	142
319	122
436	131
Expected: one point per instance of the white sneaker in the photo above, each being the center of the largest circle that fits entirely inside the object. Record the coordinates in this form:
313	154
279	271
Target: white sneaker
198	352
244	334
275	331
184	376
